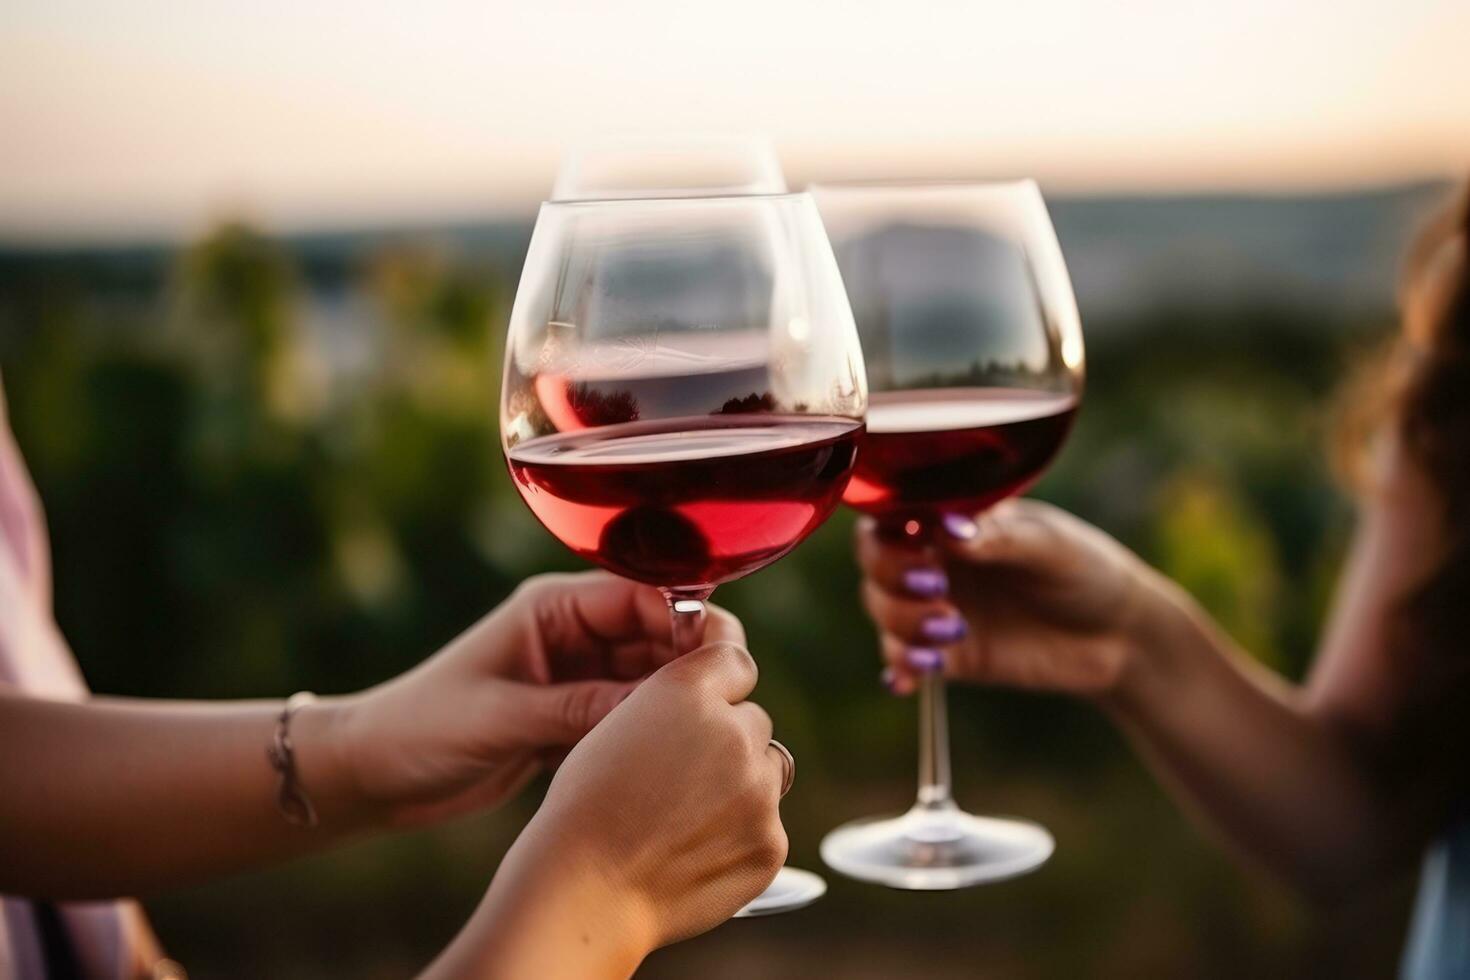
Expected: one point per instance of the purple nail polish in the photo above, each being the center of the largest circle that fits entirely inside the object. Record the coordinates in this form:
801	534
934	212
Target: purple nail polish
923	658
943	629
959	526
889	679
926	583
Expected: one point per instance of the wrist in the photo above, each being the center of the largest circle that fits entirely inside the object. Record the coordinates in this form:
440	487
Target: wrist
553	912
1160	626
325	761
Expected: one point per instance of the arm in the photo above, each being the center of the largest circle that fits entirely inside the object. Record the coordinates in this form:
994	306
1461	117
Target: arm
1264	764
1305	790
115	796
1286	775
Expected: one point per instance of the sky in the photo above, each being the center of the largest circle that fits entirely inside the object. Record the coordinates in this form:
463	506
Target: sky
125	116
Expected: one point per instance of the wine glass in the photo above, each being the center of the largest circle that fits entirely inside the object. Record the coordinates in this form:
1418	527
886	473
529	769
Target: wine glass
686	165
683	396
974	354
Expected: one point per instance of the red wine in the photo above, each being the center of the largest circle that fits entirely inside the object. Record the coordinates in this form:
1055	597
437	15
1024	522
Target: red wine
688	503
929	451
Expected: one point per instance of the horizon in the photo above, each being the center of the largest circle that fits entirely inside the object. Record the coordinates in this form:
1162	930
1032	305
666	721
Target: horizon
61	239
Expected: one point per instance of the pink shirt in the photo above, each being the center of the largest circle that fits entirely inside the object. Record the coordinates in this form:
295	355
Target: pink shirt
34	658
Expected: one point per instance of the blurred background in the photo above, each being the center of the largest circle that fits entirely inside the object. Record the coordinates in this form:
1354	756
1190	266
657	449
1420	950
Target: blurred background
255	268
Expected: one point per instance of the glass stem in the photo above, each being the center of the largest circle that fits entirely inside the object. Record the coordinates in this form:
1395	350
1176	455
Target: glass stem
686	616
934	778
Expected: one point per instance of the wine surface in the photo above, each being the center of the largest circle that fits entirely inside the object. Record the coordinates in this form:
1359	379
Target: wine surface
687	503
929	451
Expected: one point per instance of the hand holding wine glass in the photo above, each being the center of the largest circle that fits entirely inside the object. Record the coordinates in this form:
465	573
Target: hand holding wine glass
1052	603
659	825
512	692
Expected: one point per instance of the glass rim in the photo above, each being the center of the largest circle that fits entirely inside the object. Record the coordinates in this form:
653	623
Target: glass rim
677	199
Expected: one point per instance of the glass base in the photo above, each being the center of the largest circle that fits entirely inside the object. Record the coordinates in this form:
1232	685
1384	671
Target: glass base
791	889
935	848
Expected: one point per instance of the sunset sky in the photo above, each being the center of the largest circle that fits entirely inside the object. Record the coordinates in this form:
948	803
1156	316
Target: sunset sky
147	116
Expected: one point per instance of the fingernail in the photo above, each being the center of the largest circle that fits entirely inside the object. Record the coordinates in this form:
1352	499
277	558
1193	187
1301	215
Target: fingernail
959	526
923	659
927	583
889	679
943	629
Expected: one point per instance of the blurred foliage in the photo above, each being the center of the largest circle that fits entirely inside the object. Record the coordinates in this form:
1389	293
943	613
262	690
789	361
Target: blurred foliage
266	472
1224	556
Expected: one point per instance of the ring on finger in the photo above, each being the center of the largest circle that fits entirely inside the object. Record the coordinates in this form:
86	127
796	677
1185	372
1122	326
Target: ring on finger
788	766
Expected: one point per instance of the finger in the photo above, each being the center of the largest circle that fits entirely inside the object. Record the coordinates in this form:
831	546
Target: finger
600	606
725	669
595	624
995	655
905	664
920	622
898	681
635	659
580	615
638	658
722	626
900	570
577	621
754	721
1013	532
543	716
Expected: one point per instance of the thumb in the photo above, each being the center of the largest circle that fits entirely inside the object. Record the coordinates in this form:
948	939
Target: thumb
560	714
1011	533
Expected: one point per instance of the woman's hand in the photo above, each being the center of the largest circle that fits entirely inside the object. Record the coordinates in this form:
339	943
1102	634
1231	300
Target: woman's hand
1024	595
120	797
466	729
660	825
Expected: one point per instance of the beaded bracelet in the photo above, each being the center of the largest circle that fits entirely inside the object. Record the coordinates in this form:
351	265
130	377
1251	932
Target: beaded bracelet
291	799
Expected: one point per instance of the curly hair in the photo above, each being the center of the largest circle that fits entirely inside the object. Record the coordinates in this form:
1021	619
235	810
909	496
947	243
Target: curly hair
1433	415
1423	392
